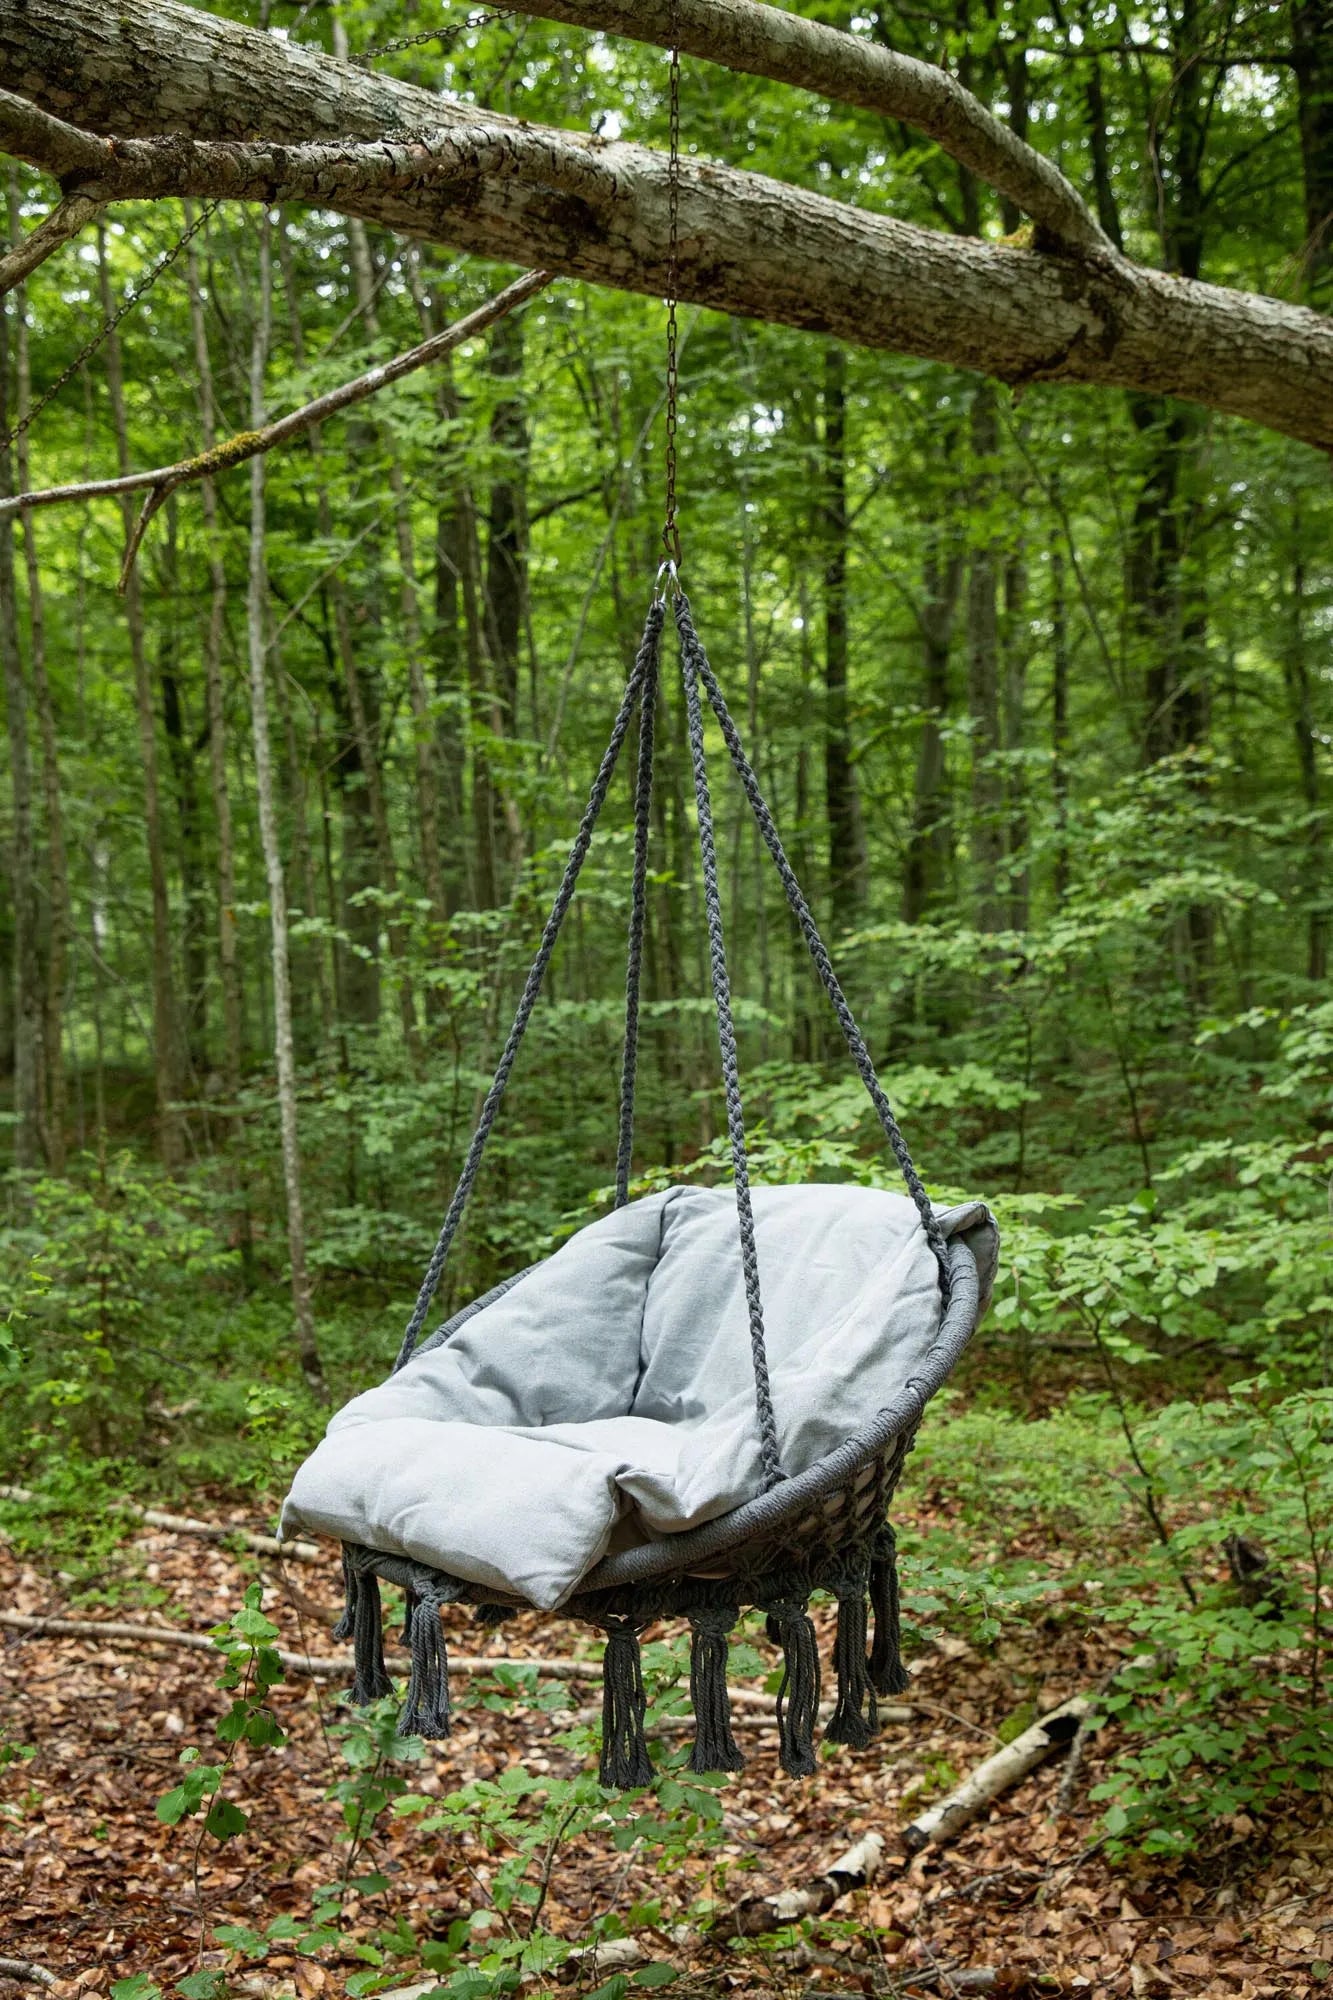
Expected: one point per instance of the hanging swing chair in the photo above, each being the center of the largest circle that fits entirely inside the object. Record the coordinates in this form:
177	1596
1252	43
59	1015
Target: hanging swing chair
597	1436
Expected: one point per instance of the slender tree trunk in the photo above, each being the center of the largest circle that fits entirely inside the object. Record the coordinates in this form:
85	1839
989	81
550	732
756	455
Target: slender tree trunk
930	838
984	667
1296	666
461	673
367	850
847	862
428	789
507	528
1060	717
181	750
450	673
1014	656
27	985
166	1041
257	648
228	962
57	863
1312	61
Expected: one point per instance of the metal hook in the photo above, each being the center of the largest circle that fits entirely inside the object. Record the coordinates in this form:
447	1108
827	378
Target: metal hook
667	568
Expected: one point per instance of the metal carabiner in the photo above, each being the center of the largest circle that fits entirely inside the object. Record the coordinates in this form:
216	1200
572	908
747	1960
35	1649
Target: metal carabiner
666	568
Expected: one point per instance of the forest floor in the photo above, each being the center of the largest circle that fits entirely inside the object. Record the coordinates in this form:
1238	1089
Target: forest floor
94	1887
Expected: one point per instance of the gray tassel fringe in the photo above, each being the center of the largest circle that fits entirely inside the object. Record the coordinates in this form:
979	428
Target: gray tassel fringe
625	1760
887	1673
427	1712
798	1697
371	1680
715	1748
853	1719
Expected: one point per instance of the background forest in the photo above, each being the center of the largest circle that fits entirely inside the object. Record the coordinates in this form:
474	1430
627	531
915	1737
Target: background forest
1040	687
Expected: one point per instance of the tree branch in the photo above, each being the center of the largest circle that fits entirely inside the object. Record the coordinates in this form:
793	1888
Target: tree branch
66	219
760	40
572	205
164	480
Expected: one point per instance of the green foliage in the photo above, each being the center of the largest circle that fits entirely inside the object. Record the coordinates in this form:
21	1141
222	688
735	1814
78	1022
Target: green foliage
1231	1708
100	1273
1091	955
251	1669
528	1821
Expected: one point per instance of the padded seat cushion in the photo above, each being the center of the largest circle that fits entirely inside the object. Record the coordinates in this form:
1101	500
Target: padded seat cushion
610	1392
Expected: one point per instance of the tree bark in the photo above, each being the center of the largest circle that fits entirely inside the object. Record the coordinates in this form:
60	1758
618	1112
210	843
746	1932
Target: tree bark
363	689
22	861
592	210
167	1076
1060	663
228	963
57	863
983	676
842	797
257	647
507	527
930	839
181	751
1300	692
1312	60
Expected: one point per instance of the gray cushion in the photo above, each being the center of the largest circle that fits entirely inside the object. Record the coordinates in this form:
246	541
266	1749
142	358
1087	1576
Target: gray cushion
610	1393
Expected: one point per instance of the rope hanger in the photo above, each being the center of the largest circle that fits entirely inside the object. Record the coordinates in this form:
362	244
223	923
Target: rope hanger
641	692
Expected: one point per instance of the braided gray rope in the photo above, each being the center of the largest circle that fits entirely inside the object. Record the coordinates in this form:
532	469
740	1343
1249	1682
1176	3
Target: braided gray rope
726	1035
578	854
638	909
691	645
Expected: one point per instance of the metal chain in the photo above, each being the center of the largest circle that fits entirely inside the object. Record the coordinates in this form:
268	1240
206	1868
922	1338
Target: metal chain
445	36
670	529
131	299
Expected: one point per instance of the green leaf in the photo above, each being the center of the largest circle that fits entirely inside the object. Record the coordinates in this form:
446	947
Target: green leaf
225	1820
203	1985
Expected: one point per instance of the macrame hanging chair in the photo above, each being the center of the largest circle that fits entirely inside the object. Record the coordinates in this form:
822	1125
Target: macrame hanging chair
442	1481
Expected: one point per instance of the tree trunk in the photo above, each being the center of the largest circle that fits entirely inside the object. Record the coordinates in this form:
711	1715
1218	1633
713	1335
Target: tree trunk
57	864
1312	61
461	670
930	838
257	649
983	657
167	1076
1015	640
1296	667
507	527
228	963
27	987
1060	717
509	190
846	834
181	748
354	767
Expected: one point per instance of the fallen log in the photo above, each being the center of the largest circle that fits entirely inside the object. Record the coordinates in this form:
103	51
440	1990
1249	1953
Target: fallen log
29	1974
939	1823
753	1917
757	1915
341	1666
210	1531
